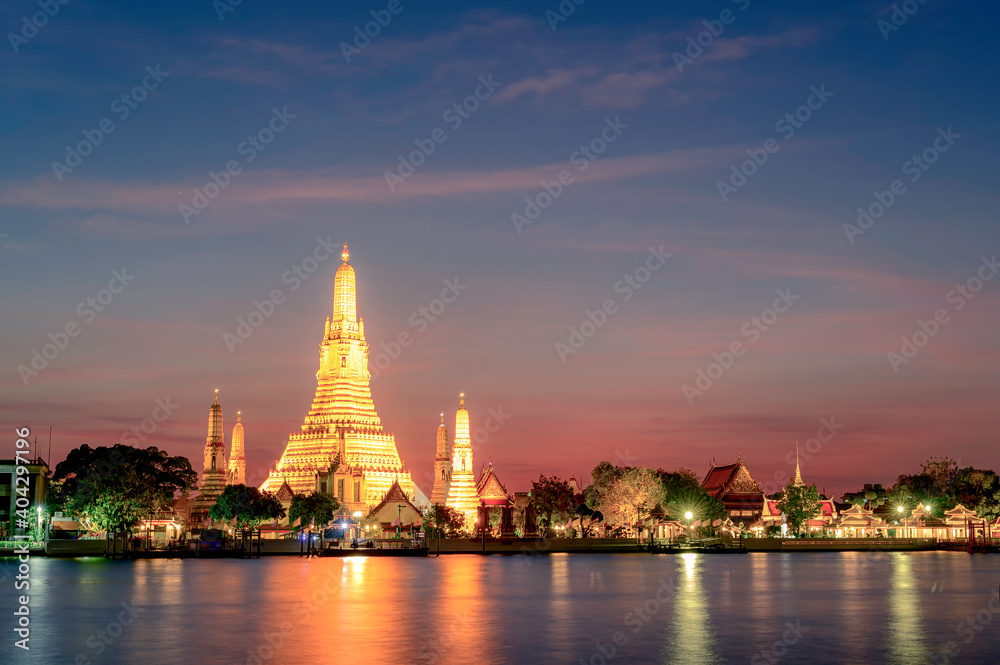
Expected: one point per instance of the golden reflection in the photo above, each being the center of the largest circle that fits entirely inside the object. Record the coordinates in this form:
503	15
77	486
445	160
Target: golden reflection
905	634
692	639
560	604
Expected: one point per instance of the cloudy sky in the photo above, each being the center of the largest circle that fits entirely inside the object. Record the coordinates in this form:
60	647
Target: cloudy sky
116	117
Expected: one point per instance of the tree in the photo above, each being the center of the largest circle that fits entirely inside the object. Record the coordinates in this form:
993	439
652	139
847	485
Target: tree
550	496
799	503
444	521
246	507
941	471
317	507
978	490
631	495
684	494
588	518
113	489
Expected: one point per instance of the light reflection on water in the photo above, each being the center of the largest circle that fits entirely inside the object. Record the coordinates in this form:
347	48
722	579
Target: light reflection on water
896	608
692	640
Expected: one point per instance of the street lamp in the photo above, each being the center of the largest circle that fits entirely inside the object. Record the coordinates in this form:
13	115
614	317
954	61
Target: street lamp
39	523
899	509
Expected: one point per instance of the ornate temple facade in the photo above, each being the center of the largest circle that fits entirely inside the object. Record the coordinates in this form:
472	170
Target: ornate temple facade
442	466
341	447
214	474
734	485
462	494
237	456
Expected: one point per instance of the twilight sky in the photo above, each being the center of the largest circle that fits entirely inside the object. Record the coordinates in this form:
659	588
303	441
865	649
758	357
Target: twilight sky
309	133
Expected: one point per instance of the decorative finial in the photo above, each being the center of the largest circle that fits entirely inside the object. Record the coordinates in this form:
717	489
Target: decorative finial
345	254
461	400
238	416
442	418
216	395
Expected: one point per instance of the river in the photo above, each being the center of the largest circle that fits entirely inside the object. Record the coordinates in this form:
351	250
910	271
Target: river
815	608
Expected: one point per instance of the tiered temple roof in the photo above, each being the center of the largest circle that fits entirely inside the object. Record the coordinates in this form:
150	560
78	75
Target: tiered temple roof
342	418
734	485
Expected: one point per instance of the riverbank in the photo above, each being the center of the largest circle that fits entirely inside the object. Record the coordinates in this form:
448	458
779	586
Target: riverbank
530	547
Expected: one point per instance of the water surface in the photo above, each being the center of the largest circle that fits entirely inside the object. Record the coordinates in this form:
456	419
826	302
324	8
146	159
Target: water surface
815	608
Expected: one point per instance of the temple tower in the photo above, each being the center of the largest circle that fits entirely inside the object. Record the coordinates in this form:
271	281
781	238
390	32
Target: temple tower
797	481
342	419
237	457
442	466
462	494
214	470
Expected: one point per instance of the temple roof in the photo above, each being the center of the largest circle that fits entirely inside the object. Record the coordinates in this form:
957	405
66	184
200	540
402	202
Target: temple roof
396	495
489	488
732	478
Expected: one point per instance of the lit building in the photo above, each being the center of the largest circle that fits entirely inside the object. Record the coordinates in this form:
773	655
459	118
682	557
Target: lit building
214	472
442	466
342	448
396	511
771	515
38	472
735	487
237	456
462	493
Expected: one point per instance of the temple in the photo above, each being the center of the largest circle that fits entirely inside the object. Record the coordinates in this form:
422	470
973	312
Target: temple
735	487
442	466
462	494
237	456
771	515
214	470
342	448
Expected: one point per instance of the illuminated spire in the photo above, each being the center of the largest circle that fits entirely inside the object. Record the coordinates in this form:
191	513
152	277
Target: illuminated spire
797	482
462	494
345	307
237	458
214	471
342	429
462	423
442	466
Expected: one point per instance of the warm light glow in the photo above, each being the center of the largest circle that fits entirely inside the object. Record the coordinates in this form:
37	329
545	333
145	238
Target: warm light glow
899	508
688	515
343	418
357	513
